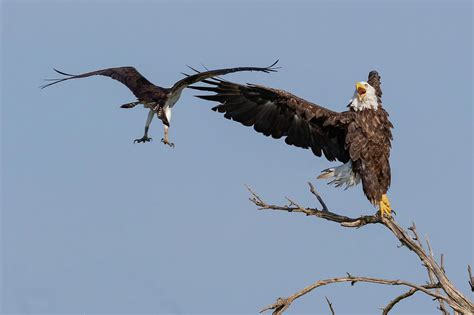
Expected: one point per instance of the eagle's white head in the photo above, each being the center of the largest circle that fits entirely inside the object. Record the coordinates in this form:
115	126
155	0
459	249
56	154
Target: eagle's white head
364	97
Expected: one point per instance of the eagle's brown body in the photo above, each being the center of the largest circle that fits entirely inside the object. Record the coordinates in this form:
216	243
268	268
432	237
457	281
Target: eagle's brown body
367	141
361	137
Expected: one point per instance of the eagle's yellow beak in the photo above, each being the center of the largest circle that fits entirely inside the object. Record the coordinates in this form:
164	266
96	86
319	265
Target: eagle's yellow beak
361	90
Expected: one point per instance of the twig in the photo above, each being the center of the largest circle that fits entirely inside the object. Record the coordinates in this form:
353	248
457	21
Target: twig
316	194
471	278
416	238
432	277
330	306
405	295
279	306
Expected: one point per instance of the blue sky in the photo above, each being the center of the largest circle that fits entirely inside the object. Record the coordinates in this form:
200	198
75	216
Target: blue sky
94	223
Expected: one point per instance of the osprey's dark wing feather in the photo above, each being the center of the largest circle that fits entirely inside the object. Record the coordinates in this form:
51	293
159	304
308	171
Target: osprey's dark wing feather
129	76
200	76
278	113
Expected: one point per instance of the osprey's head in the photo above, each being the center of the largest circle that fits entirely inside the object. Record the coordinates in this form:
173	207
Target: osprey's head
364	97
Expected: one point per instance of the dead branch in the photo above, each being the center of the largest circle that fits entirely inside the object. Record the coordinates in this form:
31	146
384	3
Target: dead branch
330	306
432	277
283	303
392	303
438	279
323	214
314	192
471	278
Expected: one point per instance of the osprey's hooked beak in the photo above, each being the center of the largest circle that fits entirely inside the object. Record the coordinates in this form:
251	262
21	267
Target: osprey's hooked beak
361	90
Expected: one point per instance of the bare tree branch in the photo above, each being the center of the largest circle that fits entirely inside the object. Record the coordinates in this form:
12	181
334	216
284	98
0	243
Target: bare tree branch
432	277
456	299
392	303
314	192
416	238
405	295
283	303
438	279
471	278
330	306
327	215
442	261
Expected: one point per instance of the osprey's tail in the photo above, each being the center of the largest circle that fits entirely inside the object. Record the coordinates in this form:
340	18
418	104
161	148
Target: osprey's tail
341	175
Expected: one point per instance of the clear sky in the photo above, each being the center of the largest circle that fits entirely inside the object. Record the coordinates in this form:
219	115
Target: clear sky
94	223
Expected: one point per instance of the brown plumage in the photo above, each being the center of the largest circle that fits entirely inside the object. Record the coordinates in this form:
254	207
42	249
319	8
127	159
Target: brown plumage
359	135
157	99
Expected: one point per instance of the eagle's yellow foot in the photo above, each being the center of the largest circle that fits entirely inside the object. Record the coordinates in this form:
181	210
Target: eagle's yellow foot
384	206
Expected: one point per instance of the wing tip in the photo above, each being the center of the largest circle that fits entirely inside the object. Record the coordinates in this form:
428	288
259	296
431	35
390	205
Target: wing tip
63	73
272	68
197	71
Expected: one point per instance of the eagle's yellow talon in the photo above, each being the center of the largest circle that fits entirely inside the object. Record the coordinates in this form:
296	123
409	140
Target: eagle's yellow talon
384	206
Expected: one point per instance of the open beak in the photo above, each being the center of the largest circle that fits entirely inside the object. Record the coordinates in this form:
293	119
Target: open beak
360	91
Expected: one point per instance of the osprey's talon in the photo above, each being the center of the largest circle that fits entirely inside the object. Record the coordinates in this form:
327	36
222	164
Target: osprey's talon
166	142
142	140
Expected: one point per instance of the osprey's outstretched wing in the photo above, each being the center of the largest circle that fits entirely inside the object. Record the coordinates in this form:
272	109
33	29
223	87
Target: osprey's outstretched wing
278	113
129	76
200	76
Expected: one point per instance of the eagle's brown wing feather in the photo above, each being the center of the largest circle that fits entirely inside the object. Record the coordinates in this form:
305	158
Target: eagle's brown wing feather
278	113
129	76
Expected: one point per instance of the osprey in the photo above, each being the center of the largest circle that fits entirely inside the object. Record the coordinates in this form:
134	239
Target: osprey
360	137
157	99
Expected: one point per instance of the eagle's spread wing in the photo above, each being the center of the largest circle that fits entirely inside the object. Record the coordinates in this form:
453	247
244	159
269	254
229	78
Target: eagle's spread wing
129	76
200	76
279	114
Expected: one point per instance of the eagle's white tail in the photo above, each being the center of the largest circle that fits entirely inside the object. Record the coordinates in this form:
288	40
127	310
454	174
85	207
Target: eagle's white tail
341	175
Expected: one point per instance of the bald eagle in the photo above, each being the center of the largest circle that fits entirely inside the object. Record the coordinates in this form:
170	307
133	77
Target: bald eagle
360	137
157	99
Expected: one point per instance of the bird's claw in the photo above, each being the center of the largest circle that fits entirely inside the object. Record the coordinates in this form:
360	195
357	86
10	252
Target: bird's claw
384	207
170	144
142	140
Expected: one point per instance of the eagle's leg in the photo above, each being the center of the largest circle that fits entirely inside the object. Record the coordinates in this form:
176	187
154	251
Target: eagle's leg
384	206
165	140
145	137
